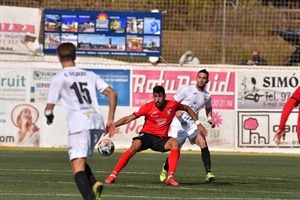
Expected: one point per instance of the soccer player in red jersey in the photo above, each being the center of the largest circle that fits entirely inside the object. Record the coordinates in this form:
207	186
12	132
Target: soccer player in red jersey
158	117
292	102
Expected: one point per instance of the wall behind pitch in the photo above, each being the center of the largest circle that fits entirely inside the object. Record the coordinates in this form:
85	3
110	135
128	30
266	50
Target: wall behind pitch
27	82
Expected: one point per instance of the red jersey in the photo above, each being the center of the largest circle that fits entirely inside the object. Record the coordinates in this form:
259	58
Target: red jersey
292	102
157	121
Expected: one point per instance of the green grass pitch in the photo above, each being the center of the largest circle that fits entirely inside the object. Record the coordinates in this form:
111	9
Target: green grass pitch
44	174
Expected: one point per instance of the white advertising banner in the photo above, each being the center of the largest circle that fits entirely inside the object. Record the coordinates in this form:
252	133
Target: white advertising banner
13	81
20	124
19	30
265	90
40	79
257	129
24	125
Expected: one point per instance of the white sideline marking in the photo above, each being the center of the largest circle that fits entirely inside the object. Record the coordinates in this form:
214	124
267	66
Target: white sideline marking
139	197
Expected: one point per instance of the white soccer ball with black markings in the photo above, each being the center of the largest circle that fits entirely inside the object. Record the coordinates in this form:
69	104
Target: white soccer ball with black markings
106	147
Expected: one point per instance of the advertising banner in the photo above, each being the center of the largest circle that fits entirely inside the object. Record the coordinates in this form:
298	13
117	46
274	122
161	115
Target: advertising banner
257	129
119	80
40	83
19	30
20	124
221	85
13	83
104	32
266	89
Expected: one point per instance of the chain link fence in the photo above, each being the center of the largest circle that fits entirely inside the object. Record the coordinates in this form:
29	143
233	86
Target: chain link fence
217	31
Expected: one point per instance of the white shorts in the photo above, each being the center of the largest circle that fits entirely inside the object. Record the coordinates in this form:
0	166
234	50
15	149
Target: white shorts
180	133
82	144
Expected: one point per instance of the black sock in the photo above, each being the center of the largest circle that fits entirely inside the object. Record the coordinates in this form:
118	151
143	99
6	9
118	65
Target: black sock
166	166
90	175
83	185
206	159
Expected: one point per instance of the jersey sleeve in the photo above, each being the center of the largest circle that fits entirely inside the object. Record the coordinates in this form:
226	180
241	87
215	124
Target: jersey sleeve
181	94
142	111
292	102
101	85
54	94
178	106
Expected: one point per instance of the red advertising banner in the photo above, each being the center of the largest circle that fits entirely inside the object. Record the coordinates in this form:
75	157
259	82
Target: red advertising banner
221	85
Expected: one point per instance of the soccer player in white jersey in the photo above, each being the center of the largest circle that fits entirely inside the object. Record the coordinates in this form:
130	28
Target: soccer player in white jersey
183	126
77	89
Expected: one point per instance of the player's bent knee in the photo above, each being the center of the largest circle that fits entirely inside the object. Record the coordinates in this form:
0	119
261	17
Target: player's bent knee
135	146
200	141
174	143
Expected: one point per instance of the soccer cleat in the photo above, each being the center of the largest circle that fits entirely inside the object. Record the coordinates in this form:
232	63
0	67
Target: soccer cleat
171	181
111	179
163	174
97	189
210	177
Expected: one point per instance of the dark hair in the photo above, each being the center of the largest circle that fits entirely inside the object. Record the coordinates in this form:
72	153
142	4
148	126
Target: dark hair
159	89
66	51
205	72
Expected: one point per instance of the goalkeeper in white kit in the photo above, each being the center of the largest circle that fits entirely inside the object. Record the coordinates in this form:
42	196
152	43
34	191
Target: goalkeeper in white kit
77	89
183	126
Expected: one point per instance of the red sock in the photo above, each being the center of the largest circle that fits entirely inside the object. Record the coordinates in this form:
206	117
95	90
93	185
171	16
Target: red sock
173	160
123	160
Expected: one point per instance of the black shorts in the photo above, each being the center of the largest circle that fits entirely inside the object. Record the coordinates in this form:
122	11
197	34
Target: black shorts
151	141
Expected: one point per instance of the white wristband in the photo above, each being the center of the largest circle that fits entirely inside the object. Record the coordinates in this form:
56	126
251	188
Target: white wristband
197	122
209	118
48	113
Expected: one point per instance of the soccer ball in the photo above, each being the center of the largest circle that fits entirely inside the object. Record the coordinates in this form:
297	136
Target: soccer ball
106	147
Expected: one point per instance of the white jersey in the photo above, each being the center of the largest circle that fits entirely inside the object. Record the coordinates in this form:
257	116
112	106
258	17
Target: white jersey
191	96
76	88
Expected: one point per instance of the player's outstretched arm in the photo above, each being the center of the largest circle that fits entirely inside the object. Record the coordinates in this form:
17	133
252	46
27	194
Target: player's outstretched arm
125	120
120	122
112	103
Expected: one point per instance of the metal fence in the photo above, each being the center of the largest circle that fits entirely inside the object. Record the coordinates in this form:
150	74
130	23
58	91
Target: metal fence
217	31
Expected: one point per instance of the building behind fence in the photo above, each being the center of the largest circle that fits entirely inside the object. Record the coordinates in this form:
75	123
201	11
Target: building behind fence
217	31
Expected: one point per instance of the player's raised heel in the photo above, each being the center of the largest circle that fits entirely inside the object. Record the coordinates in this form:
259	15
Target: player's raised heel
210	177
97	189
171	181
111	179
163	174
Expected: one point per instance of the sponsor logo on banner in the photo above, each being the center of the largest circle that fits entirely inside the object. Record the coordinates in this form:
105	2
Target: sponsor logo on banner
221	85
13	84
43	75
257	129
19	34
269	90
40	84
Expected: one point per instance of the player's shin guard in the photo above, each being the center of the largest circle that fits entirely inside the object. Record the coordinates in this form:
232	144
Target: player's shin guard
173	161
206	159
83	185
125	157
90	175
